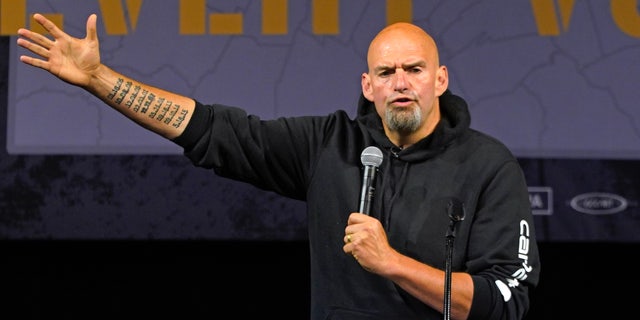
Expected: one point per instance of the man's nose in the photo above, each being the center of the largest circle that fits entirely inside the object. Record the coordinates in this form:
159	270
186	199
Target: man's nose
400	80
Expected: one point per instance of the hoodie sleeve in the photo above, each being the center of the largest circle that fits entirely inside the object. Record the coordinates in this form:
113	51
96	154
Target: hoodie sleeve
275	155
504	260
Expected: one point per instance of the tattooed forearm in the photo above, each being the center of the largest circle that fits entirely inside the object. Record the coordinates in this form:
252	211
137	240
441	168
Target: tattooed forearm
156	107
134	94
163	111
123	92
172	113
180	119
152	97
115	89
140	100
167	111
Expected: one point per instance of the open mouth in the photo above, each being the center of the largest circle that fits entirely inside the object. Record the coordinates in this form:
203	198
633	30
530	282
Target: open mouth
401	102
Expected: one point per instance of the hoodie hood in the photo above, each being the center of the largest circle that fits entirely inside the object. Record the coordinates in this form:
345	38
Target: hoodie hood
454	123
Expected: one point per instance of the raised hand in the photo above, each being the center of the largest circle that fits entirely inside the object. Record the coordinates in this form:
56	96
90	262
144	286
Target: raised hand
71	59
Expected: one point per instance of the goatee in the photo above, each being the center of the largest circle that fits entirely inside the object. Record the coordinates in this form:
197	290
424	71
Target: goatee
403	120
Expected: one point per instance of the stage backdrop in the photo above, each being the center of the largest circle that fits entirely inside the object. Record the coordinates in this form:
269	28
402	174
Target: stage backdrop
557	81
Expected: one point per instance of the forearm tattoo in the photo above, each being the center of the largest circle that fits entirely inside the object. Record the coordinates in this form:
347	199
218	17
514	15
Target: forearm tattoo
140	100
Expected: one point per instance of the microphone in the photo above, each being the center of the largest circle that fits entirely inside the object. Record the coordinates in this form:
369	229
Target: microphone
456	212
371	158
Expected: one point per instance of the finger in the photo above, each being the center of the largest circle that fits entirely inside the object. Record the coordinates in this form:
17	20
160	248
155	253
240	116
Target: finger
35	38
357	217
35	62
33	48
49	26
92	33
41	40
36	46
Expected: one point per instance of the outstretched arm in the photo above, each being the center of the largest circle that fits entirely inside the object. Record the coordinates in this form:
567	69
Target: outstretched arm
77	62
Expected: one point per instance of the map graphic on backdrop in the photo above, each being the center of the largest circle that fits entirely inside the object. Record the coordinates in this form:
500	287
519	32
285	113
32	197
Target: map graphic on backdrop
573	94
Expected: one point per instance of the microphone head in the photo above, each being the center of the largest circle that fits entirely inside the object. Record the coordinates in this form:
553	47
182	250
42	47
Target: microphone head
371	156
455	210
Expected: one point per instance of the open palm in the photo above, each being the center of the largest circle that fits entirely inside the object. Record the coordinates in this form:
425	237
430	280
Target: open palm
71	59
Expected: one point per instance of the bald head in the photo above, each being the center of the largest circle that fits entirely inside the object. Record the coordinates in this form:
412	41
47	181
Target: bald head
404	81
402	36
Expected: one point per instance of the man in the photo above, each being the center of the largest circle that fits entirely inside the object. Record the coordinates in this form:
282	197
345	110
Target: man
388	265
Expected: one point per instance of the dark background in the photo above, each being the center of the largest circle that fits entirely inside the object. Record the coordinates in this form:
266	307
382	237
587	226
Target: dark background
194	277
240	279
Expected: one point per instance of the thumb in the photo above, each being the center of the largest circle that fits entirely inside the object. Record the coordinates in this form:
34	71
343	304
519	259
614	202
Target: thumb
92	33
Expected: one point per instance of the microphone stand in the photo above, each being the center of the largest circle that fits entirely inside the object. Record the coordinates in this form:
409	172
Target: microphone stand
455	210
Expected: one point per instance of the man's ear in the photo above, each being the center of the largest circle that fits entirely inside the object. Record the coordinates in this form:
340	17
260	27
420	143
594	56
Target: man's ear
367	90
442	80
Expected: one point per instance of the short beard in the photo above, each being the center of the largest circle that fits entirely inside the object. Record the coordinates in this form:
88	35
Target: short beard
402	120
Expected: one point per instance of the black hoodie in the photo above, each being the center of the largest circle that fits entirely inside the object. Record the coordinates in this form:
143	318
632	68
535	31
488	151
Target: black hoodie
317	159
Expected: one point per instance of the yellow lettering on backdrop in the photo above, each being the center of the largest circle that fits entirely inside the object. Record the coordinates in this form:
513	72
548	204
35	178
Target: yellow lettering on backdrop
275	17
225	23
114	17
13	15
192	19
399	11
324	17
120	17
625	15
546	17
